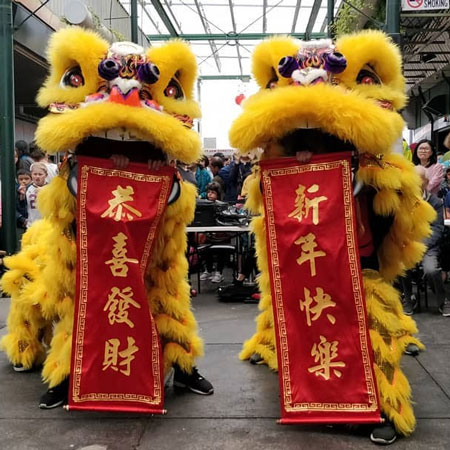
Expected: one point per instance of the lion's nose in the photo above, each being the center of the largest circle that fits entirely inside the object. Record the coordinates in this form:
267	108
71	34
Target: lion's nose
129	98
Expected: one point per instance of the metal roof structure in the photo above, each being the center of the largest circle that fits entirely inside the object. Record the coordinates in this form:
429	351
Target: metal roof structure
425	47
223	33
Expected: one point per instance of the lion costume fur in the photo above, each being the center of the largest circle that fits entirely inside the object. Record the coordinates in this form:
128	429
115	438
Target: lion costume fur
41	278
351	112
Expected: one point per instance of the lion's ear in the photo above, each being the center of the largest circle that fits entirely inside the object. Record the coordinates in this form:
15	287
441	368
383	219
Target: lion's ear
74	54
178	72
266	58
374	49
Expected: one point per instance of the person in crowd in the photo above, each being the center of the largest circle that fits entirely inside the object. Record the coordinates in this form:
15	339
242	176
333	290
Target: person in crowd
214	254
204	162
186	173
38	177
23	181
39	155
216	165
430	261
202	177
425	155
445	184
24	159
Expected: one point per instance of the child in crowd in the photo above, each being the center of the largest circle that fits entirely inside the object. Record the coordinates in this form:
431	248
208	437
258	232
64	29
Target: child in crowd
213	193
39	155
38	176
23	181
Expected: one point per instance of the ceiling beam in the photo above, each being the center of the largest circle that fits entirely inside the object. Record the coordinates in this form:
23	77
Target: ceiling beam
312	17
264	17
233	22
142	3
212	44
231	36
164	17
173	15
225	77
297	9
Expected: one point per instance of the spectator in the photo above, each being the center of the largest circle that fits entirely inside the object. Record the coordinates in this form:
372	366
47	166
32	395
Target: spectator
38	176
424	155
204	163
24	159
202	177
430	261
445	184
39	155
23	180
216	166
186	173
212	254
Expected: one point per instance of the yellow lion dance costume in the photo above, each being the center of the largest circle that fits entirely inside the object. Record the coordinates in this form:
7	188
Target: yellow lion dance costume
359	107
41	278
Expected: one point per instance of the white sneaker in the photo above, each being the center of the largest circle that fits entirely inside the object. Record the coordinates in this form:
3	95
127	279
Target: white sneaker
205	275
217	277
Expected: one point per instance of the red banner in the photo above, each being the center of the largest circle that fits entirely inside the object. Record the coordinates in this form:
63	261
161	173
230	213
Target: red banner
323	346
116	353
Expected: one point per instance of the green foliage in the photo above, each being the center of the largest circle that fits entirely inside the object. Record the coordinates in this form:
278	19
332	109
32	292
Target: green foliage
349	20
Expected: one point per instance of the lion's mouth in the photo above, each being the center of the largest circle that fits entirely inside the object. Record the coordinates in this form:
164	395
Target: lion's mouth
313	140
120	142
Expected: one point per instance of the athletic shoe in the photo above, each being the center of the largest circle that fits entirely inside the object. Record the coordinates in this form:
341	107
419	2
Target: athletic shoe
55	396
194	381
409	306
444	309
256	359
217	277
412	349
205	276
20	368
384	434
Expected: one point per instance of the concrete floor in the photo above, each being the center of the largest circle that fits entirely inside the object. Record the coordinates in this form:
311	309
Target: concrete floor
242	412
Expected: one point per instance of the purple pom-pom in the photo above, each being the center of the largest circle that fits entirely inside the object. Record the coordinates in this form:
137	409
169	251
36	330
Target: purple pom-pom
109	69
335	62
148	73
287	65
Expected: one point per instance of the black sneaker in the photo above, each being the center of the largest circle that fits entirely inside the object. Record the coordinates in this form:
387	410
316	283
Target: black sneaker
194	381
384	434
55	396
256	359
444	309
412	349
409	306
20	368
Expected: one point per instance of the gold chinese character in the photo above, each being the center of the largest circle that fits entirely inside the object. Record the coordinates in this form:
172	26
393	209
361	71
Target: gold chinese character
117	204
308	245
303	204
118	262
112	355
118	303
322	300
324	353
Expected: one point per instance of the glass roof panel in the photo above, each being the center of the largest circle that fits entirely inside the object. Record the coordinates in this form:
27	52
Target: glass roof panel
188	18
279	20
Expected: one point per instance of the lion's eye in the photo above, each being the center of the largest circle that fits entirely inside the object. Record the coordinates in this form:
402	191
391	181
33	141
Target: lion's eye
174	90
367	77
272	84
73	78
